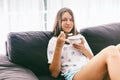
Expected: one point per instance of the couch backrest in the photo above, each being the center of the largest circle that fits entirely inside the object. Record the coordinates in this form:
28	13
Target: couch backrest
29	49
101	36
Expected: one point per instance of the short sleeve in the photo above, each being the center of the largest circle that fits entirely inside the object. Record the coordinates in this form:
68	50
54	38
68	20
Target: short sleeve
51	48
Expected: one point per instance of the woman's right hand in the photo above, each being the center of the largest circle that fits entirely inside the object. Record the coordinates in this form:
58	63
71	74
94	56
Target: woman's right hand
61	40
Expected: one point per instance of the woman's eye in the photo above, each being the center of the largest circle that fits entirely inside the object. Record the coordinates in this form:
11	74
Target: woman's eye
67	19
71	19
64	19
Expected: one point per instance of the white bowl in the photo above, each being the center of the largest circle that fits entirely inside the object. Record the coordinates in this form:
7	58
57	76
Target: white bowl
74	39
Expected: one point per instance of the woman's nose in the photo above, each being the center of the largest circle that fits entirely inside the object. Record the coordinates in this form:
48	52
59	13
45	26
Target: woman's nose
68	21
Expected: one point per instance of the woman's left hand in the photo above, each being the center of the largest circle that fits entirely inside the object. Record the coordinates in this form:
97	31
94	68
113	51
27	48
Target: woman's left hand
80	46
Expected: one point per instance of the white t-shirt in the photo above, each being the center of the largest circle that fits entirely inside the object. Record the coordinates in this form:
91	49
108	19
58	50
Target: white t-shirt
70	58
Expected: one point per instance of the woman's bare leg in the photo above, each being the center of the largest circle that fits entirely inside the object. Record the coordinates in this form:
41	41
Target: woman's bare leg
114	66
97	67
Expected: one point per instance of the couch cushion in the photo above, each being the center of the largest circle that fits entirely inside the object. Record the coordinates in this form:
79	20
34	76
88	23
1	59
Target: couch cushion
101	36
10	71
29	49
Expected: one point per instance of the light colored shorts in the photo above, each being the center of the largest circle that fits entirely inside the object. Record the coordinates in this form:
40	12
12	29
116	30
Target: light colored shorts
70	74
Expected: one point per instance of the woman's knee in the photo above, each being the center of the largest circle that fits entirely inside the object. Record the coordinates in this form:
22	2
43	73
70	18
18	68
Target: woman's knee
118	46
111	47
114	55
110	52
108	49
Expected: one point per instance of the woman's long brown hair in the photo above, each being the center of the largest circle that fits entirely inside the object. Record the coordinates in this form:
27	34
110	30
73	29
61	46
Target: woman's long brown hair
58	21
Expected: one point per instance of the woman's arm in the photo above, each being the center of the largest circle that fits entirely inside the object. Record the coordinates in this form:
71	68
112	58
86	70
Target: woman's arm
55	66
87	53
81	47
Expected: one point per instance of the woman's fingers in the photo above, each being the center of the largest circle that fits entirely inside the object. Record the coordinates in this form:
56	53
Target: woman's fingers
61	39
61	36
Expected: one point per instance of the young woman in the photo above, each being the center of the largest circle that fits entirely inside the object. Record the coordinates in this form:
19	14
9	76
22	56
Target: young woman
76	61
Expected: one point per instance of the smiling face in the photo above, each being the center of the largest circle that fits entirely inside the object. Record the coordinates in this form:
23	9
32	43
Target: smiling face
64	22
67	22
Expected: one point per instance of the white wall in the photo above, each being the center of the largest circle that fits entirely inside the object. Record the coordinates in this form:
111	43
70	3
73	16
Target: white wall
28	15
90	12
20	15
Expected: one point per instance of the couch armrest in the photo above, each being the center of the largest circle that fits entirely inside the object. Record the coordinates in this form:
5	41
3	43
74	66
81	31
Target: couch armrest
29	49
